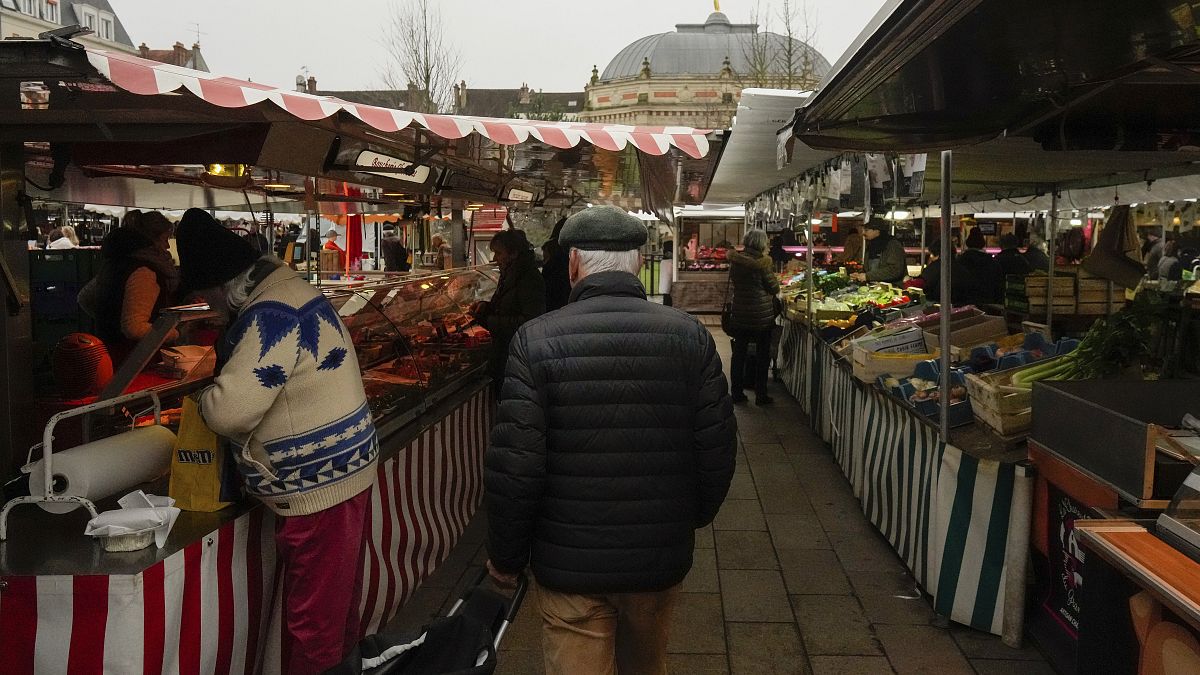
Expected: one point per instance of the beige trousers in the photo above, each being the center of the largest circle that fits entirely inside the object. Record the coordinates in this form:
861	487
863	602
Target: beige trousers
622	633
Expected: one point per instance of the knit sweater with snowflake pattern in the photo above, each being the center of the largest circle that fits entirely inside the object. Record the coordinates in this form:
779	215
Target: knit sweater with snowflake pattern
290	397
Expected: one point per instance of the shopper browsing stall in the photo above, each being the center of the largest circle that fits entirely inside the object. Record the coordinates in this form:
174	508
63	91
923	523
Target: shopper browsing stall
289	395
520	296
852	251
753	286
331	244
884	257
614	441
983	277
1011	260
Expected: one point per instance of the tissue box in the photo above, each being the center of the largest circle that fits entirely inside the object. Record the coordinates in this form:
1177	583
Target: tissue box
130	541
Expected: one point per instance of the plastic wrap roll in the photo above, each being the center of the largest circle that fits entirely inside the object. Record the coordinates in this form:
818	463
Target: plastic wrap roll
106	467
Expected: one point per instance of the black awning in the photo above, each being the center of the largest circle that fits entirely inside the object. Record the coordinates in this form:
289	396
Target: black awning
1070	74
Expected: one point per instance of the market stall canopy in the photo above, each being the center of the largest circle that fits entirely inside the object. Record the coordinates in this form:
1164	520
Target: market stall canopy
115	111
1031	95
747	167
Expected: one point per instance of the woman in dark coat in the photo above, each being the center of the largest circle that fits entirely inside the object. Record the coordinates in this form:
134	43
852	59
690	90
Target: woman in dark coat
754	286
519	297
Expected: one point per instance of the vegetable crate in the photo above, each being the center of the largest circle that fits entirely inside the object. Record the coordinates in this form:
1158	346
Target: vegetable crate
1006	412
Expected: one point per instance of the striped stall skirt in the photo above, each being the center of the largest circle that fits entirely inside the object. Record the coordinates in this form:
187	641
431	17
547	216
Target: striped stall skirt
960	524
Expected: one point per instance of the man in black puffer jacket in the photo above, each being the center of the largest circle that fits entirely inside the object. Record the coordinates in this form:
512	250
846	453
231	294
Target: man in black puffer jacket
614	441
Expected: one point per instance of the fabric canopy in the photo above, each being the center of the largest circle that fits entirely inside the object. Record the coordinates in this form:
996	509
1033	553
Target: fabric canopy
140	76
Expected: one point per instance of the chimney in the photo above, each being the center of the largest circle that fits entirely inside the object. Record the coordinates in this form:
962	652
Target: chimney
179	54
300	83
143	51
312	84
460	97
524	94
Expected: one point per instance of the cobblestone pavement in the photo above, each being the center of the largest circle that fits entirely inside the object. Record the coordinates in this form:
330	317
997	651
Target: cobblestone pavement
790	578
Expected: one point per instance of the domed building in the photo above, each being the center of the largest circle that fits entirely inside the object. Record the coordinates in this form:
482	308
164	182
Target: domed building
694	75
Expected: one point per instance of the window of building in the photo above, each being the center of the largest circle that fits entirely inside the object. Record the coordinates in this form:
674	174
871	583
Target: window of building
52	12
726	98
27	7
106	28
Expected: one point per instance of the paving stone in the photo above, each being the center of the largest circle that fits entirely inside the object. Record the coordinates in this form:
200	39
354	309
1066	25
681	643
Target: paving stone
784	498
764	453
849	665
703	576
745	550
813	572
797	531
774	472
754	595
742	487
514	662
896	609
740	514
899	582
834	625
450	570
872	554
801	442
697	625
704	537
980	645
922	649
1005	667
697	664
766	649
756	428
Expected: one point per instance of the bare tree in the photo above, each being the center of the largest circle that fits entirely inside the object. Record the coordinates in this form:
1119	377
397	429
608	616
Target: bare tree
796	68
758	52
781	61
421	56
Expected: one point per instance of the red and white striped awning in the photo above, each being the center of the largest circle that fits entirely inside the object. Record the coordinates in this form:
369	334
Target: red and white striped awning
140	76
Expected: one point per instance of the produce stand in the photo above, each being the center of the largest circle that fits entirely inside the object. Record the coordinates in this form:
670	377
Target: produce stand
958	518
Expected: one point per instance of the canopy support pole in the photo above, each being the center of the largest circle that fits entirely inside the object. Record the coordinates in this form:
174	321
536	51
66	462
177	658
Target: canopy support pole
809	354
923	242
1051	253
946	300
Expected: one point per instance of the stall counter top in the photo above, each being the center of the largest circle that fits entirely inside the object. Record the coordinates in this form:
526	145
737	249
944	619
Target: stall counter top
42	544
1154	564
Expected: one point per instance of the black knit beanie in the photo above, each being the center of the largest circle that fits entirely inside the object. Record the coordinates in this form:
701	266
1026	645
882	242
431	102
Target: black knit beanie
209	254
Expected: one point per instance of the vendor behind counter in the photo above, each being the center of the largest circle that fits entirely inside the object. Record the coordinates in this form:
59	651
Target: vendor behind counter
137	280
884	259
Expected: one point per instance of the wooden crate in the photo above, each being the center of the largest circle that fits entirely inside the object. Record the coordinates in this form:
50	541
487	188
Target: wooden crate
1006	413
1098	308
1005	425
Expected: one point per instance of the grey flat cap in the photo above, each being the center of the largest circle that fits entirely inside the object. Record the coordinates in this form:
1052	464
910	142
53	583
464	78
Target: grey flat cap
603	228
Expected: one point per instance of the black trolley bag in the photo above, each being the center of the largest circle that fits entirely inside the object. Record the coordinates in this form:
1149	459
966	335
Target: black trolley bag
464	642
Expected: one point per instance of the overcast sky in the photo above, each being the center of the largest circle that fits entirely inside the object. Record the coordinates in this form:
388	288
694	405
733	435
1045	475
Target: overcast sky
551	44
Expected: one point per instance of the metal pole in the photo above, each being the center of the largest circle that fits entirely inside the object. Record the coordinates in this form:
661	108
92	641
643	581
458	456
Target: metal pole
946	300
809	361
1051	236
923	246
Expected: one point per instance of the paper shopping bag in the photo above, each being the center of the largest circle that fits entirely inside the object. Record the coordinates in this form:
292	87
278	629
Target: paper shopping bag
197	464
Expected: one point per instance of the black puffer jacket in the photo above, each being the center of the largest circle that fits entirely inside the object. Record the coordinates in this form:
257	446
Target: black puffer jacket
754	287
614	441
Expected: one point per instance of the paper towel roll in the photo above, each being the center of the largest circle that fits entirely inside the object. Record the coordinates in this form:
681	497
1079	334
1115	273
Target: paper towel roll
106	467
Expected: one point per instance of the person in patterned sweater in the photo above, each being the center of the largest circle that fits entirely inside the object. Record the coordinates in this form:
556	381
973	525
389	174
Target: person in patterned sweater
290	398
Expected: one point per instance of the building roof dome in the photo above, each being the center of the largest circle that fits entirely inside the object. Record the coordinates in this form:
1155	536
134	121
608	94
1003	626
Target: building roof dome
701	49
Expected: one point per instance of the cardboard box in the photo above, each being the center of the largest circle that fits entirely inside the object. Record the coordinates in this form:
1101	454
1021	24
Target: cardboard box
907	340
966	334
868	365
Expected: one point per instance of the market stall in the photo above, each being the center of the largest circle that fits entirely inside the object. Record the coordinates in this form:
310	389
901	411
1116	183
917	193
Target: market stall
1042	151
208	599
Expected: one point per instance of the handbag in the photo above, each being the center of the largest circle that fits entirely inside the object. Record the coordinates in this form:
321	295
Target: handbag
727	310
197	464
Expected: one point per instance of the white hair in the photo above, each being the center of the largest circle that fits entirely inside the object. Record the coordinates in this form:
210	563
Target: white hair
595	262
237	290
